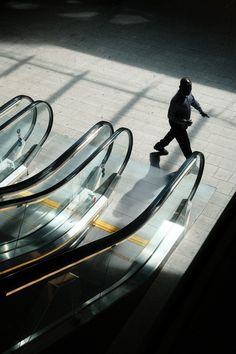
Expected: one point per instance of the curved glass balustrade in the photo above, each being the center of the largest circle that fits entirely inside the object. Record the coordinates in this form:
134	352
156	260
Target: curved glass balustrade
22	136
55	212
84	281
14	106
89	142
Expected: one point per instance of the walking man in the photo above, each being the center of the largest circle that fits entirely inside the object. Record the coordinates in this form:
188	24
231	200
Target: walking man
179	114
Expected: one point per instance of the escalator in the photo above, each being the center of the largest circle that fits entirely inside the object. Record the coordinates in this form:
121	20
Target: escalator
25	125
52	210
68	289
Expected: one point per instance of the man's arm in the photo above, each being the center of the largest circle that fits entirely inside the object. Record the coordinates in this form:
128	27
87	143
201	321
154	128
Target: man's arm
172	110
197	106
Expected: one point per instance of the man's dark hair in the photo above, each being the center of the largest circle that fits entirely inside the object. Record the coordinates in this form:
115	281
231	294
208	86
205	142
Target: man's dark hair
185	86
185	81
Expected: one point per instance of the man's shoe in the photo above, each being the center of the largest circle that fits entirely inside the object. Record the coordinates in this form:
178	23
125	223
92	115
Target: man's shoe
160	149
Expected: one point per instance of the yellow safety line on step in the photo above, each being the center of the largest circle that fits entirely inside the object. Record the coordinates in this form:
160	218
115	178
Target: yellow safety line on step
138	240
48	202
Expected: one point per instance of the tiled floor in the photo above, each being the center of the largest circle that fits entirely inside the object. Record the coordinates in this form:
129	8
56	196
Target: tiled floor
122	62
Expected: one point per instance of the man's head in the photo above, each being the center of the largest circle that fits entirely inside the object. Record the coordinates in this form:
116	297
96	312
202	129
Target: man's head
185	86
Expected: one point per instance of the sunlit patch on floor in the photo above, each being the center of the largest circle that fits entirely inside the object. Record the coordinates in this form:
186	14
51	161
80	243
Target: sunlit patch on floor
80	15
74	2
22	5
128	19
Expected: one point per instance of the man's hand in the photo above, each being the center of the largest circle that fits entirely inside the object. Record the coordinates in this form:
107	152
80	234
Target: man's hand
189	122
203	114
185	123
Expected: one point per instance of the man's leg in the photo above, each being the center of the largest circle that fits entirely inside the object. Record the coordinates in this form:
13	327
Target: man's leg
182	137
160	146
167	138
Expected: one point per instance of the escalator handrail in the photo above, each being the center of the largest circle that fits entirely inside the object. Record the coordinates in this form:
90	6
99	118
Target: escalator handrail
43	194
19	115
50	169
45	269
13	101
50	121
24	110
